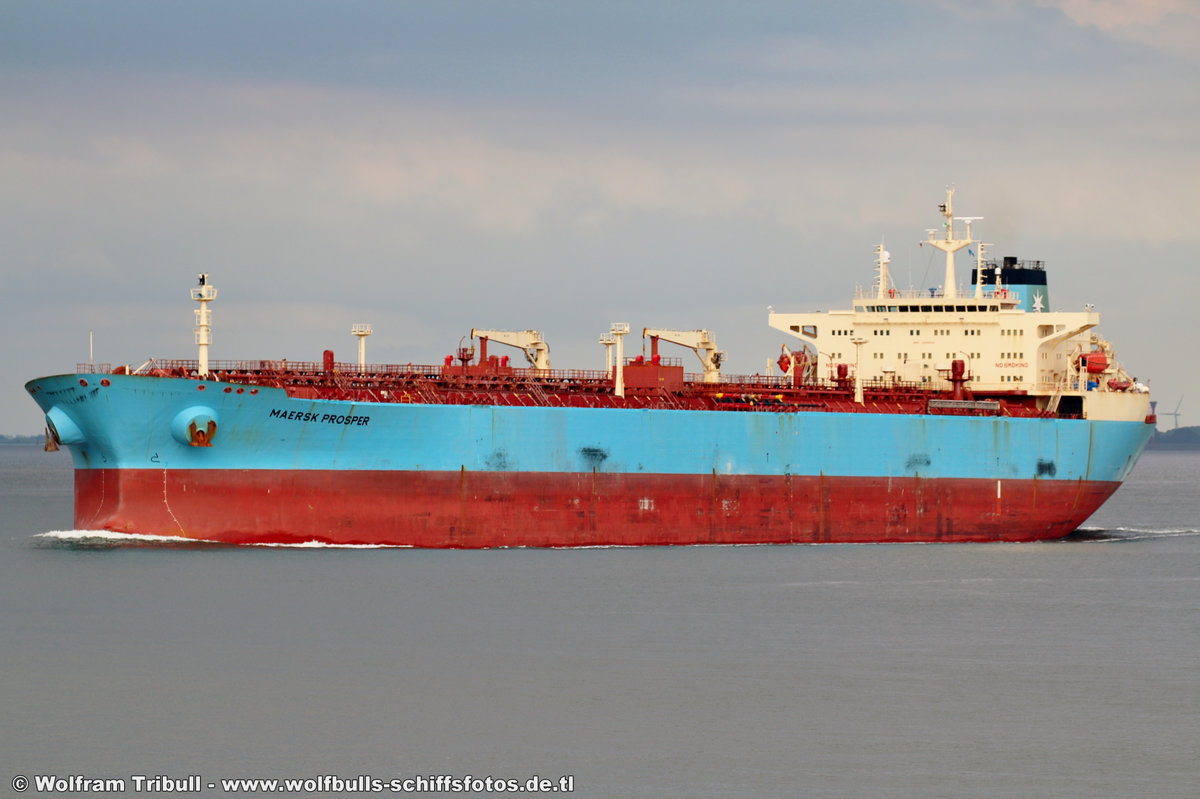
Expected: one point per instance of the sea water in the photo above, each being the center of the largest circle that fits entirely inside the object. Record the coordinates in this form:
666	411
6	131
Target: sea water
1064	669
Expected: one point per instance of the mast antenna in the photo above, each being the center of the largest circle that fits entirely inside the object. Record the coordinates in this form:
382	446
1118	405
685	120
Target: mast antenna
949	244
882	259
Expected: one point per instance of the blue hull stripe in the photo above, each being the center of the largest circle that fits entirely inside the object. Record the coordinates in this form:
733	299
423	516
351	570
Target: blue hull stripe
136	422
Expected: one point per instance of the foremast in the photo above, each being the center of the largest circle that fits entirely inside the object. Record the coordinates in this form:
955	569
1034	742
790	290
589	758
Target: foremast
203	294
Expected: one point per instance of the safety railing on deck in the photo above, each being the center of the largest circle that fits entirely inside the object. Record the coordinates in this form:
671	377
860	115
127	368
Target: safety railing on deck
934	295
546	377
441	384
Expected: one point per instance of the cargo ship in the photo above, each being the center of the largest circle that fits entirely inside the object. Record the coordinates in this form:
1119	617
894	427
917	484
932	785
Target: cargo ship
948	414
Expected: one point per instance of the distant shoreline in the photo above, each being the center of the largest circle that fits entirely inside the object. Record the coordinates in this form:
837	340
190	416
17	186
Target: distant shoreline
1181	439
34	439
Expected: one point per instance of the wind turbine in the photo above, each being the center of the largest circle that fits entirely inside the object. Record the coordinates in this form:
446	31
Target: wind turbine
1175	413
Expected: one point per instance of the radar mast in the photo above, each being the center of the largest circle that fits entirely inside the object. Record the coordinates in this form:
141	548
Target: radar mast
950	244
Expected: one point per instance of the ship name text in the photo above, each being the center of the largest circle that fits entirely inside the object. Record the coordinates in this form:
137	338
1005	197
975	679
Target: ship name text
320	418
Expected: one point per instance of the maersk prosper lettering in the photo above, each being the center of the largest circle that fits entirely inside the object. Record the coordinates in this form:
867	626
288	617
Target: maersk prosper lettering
1024	428
325	418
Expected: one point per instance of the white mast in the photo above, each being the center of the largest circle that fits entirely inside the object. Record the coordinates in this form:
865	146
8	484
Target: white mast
882	259
949	244
203	295
858	341
609	341
361	330
619	330
979	269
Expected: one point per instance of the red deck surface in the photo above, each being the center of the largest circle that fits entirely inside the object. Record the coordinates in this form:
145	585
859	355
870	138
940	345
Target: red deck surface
484	384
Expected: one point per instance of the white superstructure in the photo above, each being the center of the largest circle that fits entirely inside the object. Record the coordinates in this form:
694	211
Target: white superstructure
1004	333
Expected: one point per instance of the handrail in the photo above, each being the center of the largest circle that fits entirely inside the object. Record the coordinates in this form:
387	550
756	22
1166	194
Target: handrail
928	296
350	378
223	369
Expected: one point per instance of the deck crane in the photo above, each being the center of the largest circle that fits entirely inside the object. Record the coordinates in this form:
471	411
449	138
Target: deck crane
700	342
536	350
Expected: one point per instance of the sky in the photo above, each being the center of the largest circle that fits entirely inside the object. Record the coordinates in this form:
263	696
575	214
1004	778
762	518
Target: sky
430	167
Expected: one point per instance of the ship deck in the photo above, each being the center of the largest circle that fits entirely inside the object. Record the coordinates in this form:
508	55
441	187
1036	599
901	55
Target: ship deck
488	384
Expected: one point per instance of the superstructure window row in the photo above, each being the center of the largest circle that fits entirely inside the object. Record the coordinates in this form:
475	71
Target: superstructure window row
927	308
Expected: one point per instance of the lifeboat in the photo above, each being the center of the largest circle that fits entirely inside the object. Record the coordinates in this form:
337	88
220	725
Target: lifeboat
1094	362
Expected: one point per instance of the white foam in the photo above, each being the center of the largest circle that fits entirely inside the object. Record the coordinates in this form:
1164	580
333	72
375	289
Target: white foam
1141	530
324	545
1135	533
108	536
114	537
1110	534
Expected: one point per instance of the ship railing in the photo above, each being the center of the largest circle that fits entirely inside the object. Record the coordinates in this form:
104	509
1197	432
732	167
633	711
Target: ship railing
763	381
783	383
526	380
862	293
344	370
663	360
93	368
284	365
568	375
1071	383
934	295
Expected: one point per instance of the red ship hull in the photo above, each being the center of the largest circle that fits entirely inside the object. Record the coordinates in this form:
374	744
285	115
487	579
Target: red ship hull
467	509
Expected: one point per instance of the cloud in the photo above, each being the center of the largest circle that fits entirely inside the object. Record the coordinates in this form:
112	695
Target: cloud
1168	25
326	156
275	165
1118	14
